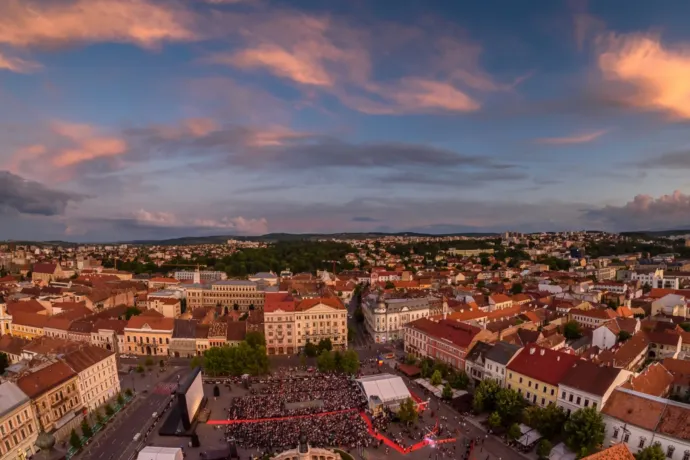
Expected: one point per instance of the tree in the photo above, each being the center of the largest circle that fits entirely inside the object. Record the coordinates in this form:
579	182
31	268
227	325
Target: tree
109	411
74	440
350	362
459	380
516	289
120	399
140	369
514	432
86	430
311	350
584	431
623	336
410	359
132	311
426	368
447	392
302	360
544	449
485	396
548	420
351	334
509	404
4	362
494	420
652	452
149	361
255	339
195	362
235	307
389	285
436	378
685	326
408	411
99	417
571	330
325	344
128	392
325	362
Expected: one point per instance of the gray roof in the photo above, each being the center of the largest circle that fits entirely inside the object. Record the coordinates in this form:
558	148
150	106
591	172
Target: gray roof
184	329
264	275
235	283
478	352
11	397
502	352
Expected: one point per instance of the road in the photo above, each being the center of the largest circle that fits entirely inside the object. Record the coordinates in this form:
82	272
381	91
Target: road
117	440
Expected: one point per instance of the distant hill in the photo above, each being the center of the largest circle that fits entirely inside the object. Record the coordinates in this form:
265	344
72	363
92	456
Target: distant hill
655	233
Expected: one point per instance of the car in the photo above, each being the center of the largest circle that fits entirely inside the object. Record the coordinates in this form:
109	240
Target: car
136	437
389	356
310	369
154	415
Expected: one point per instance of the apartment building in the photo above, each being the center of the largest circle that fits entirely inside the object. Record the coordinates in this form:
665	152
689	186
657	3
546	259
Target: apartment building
247	295
18	427
96	369
169	307
200	275
536	372
149	335
53	390
588	385
385	319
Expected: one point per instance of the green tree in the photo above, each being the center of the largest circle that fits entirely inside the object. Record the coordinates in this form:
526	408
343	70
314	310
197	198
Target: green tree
195	362
494	420
485	396
408	411
410	359
514	432
302	360
509	404
4	362
255	339
74	440
685	326
652	452
436	378
584	431
120	399
623	336
389	285
86	430
109	411
350	363
338	361
571	330
544	449
447	392
459	380
99	417
140	369
161	363
426	368
351	334
149	361
325	362
311	350
325	344
549	420
516	289
132	311
128	392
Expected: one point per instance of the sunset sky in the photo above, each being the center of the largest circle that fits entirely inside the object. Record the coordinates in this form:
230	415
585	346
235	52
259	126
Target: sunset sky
131	119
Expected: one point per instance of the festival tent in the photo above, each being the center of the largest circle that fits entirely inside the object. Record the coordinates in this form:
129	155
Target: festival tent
390	389
160	453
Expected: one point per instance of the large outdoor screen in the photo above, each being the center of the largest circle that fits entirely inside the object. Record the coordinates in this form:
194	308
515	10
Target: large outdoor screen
194	395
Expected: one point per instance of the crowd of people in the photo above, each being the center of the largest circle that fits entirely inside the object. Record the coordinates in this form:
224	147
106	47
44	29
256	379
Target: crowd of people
282	397
343	429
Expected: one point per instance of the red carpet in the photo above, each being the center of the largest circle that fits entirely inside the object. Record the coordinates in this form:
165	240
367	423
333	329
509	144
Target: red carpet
232	422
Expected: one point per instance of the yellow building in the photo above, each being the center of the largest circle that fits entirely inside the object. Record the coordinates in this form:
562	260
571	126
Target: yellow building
227	293
535	373
149	335
28	325
97	375
55	397
18	427
46	272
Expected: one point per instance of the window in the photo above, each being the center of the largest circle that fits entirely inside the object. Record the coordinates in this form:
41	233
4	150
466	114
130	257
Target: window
626	437
578	400
553	392
570	399
529	384
520	379
563	395
615	433
641	444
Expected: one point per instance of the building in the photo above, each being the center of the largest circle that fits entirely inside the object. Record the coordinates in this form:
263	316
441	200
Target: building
655	279
18	427
499	302
536	372
169	307
268	278
109	334
149	335
475	361
28	325
615	452
54	393
639	420
605	273
606	335
96	369
588	385
247	295
592	318
46	272
160	282
203	275
279	321
497	359
445	340
384	318
183	341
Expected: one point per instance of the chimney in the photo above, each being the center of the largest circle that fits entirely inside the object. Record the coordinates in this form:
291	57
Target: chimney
542	352
531	351
558	358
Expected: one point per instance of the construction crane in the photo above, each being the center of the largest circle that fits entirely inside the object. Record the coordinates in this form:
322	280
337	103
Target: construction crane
333	262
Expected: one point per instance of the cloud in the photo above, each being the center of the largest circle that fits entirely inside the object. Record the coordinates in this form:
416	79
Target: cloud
29	197
47	23
575	139
658	75
15	64
646	212
237	224
364	219
88	144
669	160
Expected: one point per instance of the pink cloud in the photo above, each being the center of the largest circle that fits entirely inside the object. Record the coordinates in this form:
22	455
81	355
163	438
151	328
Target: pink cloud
239	224
191	127
575	139
141	22
156	218
88	144
659	75
18	65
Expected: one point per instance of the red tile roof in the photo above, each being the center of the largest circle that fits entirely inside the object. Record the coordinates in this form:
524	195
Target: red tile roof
332	302
656	380
460	334
542	364
44	268
618	451
37	383
279	301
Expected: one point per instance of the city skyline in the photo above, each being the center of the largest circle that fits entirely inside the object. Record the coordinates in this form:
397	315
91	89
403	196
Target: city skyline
142	119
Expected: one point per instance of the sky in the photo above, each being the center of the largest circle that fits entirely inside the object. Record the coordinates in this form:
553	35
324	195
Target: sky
145	119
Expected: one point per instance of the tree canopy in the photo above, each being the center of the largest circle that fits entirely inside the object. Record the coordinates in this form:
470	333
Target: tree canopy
242	359
653	452
571	330
584	431
408	411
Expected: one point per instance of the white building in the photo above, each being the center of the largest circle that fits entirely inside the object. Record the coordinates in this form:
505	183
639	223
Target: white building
203	275
605	336
97	375
385	318
588	385
497	359
656	279
640	420
18	427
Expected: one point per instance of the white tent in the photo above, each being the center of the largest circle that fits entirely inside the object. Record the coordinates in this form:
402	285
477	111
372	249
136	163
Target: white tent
160	453
391	389
561	452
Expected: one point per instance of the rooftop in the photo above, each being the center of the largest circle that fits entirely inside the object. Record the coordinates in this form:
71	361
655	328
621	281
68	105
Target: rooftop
11	397
542	364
